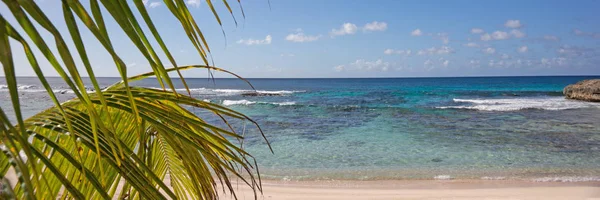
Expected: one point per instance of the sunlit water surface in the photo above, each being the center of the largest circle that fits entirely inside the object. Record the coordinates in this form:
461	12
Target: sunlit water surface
411	128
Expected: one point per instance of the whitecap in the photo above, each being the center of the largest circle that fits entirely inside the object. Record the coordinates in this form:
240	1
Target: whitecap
20	87
287	103
513	104
443	177
493	178
237	102
247	102
237	91
230	90
568	179
279	91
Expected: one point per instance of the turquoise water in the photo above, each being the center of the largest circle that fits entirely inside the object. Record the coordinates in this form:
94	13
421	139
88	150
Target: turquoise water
408	128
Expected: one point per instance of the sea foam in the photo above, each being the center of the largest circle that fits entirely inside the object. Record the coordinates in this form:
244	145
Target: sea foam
513	104
231	92
247	102
568	179
236	91
20	87
204	91
443	177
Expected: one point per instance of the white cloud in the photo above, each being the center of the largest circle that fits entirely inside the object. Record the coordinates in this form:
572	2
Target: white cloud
145	2
505	56
551	38
375	26
428	63
489	50
439	51
522	49
267	40
496	35
476	31
287	55
345	29
388	51
194	3
500	35
443	37
513	24
493	63
364	65
445	63
471	44
486	37
399	52
300	37
133	64
586	34
517	33
371	65
553	62
154	4
416	32
474	63
575	51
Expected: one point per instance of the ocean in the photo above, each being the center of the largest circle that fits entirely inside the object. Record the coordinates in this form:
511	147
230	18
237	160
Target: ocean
399	128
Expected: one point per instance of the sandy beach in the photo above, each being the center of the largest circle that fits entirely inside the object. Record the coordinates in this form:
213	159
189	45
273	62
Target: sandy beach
423	189
413	189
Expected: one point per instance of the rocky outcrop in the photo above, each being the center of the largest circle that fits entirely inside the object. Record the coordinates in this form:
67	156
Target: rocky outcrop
586	90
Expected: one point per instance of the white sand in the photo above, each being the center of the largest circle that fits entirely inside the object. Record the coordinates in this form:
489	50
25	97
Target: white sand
423	189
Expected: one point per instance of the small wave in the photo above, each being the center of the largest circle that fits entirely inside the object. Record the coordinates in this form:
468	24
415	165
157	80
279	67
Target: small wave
443	177
238	102
289	103
493	178
568	179
236	91
514	104
20	87
230	92
202	91
246	102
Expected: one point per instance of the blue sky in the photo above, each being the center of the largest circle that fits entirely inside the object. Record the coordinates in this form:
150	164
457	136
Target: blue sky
368	39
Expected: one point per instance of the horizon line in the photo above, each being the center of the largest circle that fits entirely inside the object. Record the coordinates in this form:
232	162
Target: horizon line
492	76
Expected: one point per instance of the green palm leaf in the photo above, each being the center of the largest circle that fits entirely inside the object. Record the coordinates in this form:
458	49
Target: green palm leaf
123	141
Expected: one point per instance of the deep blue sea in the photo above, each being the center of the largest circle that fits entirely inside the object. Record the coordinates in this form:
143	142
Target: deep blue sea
401	128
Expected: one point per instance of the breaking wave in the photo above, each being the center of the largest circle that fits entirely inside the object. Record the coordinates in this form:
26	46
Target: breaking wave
20	87
513	104
568	179
232	92
202	91
246	102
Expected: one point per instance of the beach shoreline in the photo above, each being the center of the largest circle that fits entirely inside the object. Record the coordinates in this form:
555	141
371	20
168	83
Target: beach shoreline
421	189
407	189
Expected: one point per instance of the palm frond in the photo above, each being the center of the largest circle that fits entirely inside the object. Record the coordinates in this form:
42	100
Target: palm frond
134	142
